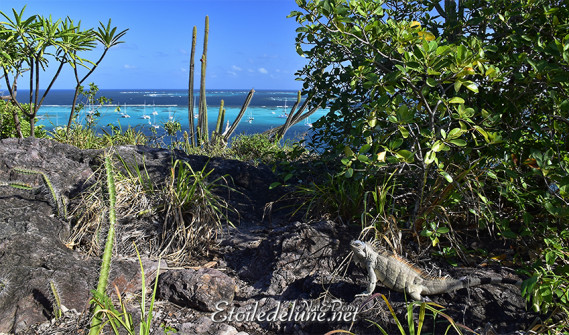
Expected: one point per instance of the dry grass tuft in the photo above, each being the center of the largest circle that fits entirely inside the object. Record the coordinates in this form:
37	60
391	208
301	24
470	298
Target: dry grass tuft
175	221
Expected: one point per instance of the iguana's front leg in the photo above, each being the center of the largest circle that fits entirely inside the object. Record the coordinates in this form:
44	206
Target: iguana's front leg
372	280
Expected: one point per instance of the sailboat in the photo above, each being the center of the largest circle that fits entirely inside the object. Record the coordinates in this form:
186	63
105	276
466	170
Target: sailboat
284	115
144	116
154	107
124	114
250	119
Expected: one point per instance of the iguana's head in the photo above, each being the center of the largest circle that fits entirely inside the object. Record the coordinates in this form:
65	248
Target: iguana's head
359	248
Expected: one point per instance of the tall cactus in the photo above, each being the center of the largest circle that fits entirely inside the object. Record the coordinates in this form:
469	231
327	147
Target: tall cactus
220	116
201	129
292	119
191	88
202	122
288	122
231	129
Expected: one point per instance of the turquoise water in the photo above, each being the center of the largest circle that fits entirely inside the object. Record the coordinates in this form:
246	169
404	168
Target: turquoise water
151	109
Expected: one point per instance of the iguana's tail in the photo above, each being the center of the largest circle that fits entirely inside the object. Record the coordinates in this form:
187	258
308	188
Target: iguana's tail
437	286
471	281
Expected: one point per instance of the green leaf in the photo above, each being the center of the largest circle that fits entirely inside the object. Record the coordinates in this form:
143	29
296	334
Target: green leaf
457	85
406	155
430	157
509	234
363	158
550	257
443	230
461	52
439	146
432	72
454	133
431	82
443	50
349	173
396	143
483	133
414	66
458	142
365	148
564	106
471	86
456	100
446	176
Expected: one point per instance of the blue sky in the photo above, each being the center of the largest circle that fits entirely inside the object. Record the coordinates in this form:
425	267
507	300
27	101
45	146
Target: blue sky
251	42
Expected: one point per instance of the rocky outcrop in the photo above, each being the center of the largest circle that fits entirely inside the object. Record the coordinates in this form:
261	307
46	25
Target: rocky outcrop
202	289
277	279
32	253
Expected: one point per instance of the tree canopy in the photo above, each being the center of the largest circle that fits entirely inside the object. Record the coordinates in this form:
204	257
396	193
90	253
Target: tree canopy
31	44
465	102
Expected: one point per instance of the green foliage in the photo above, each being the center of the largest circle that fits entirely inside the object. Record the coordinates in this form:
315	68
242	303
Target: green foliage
8	126
193	212
123	319
172	127
257	148
427	310
32	43
96	322
85	137
468	103
547	288
92	102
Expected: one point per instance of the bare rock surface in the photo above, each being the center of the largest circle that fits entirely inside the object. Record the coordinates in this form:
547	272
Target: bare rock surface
201	289
282	278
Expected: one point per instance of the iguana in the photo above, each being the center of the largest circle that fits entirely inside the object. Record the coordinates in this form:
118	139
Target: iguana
397	274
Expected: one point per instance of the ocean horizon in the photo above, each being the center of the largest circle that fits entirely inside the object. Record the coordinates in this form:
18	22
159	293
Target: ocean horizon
150	109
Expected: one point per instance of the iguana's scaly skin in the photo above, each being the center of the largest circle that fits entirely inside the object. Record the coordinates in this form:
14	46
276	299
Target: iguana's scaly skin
396	274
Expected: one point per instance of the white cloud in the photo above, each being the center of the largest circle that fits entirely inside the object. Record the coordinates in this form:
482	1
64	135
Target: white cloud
236	68
129	66
263	70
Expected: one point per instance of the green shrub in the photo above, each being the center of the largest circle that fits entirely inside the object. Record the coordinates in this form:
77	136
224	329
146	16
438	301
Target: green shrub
7	125
468	102
257	148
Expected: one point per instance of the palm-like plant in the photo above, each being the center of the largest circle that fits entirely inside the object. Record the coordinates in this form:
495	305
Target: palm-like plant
30	44
108	37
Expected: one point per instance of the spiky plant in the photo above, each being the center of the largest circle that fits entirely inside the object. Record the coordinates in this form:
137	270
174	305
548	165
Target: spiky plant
107	255
59	203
